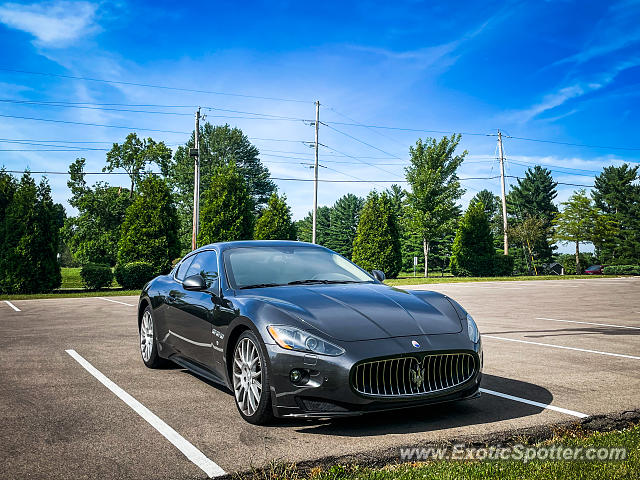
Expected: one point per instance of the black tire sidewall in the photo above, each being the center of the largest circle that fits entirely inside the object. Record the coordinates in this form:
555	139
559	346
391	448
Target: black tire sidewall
263	413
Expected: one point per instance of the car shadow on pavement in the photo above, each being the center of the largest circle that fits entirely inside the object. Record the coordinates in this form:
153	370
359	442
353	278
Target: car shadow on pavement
486	409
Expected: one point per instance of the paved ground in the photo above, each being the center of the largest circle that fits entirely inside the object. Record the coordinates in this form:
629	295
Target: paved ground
59	421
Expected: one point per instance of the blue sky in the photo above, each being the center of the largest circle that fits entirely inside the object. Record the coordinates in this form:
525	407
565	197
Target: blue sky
558	70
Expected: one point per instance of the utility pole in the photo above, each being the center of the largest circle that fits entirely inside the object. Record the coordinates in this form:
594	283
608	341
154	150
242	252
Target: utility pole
195	153
504	198
315	176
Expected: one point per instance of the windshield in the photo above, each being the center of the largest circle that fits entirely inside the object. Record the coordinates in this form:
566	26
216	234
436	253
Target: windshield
253	267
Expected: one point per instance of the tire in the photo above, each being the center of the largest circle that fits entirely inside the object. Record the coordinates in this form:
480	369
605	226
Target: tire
251	379
148	341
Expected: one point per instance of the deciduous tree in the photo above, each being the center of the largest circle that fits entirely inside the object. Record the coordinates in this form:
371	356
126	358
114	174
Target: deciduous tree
135	154
435	189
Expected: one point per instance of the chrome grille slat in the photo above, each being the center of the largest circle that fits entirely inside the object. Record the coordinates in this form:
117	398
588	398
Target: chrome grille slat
410	375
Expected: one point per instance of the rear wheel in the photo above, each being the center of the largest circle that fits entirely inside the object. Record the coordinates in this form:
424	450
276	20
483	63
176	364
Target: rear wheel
250	374
148	344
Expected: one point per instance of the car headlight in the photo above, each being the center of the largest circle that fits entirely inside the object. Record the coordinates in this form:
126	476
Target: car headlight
472	329
292	338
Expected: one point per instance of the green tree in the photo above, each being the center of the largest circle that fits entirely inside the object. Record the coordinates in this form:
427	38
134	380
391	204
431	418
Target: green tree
343	218
149	232
227	207
31	232
135	154
493	209
576	222
219	145
92	236
377	242
304	227
529	232
533	197
617	194
473	251
435	190
275	221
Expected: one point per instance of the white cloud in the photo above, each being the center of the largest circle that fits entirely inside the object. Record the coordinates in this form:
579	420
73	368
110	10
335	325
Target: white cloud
53	24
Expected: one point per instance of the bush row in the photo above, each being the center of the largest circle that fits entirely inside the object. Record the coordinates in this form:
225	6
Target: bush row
130	276
622	270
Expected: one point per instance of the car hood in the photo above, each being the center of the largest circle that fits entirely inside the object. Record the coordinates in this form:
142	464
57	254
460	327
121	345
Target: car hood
352	312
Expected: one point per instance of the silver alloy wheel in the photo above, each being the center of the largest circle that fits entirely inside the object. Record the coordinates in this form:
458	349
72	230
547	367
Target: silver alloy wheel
146	336
247	376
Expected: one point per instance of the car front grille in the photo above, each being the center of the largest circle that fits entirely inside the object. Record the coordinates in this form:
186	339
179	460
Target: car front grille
408	376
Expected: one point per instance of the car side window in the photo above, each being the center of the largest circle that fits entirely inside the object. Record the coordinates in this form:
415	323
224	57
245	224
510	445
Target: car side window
205	264
182	269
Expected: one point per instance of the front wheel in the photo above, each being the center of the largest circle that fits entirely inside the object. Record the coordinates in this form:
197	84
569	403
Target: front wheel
148	344
251	380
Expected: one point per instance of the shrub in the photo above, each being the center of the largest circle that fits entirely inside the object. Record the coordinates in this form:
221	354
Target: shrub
133	275
622	270
96	276
503	265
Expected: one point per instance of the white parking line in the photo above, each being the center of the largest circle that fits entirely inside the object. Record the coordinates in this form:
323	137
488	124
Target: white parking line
562	347
116	301
12	305
188	450
588	323
537	404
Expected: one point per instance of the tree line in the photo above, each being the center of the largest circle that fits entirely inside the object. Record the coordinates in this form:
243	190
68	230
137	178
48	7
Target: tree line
151	221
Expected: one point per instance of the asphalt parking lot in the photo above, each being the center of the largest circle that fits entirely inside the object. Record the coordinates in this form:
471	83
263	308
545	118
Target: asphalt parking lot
77	401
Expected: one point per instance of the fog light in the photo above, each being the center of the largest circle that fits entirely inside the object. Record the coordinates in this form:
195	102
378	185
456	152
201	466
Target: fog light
298	377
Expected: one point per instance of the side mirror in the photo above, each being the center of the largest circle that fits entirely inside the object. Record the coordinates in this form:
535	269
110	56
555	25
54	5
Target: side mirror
194	283
378	275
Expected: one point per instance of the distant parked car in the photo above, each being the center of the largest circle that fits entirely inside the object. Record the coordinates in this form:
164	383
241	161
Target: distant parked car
594	270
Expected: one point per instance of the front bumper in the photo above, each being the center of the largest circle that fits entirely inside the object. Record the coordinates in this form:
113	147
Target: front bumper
328	391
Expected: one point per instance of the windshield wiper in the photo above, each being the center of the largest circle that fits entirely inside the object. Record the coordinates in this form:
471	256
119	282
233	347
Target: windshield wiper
261	285
316	281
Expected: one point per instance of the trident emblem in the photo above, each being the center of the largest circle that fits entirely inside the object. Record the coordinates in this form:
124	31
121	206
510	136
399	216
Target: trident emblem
417	376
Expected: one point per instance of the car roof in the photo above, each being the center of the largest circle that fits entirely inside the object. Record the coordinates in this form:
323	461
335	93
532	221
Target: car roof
221	246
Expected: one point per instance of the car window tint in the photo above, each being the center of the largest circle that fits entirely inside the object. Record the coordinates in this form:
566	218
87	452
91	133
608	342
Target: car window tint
205	264
182	269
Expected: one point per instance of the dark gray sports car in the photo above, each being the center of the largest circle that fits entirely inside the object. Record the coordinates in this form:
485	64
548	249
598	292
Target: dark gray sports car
294	329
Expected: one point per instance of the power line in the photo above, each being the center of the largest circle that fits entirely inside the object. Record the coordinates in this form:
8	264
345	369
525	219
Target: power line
44	172
574	144
360	141
148	85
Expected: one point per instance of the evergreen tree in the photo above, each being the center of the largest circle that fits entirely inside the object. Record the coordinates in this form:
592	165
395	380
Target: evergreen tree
227	207
533	197
219	145
31	233
617	194
304	227
473	252
377	242
8	187
343	219
435	190
493	210
92	236
275	221
150	229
